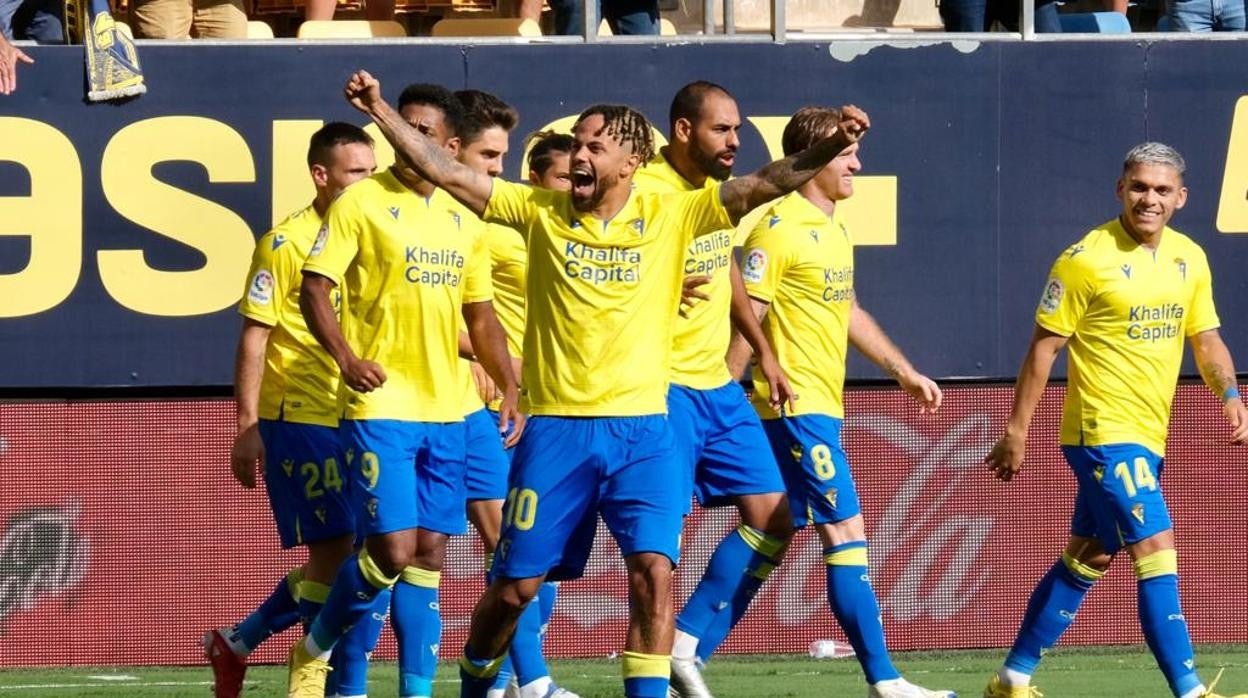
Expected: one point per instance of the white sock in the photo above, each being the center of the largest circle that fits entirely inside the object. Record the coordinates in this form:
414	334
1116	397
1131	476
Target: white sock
891	683
315	650
536	688
1013	678
495	693
235	642
685	646
1195	692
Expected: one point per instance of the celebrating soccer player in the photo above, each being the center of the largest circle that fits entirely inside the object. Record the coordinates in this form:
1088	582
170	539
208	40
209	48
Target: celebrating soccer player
798	267
1121	300
604	270
717	435
550	158
409	261
286	389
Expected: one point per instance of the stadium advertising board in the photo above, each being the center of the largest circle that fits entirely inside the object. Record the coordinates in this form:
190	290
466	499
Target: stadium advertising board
122	550
125	229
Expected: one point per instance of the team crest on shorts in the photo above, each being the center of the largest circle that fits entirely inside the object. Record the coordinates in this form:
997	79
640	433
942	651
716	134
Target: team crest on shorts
755	263
260	290
830	495
1053	292
1138	512
371	507
796	452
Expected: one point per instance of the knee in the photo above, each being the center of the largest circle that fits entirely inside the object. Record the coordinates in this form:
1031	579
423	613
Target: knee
391	554
1089	553
650	577
430	551
515	594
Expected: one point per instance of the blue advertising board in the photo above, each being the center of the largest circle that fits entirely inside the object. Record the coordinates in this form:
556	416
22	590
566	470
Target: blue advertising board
125	230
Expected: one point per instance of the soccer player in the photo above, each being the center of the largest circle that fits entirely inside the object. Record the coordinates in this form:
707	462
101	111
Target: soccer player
799	271
550	160
1121	300
286	390
409	260
717	435
484	143
604	279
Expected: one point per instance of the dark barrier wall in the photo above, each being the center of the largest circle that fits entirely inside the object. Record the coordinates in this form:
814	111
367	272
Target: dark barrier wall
128	538
125	230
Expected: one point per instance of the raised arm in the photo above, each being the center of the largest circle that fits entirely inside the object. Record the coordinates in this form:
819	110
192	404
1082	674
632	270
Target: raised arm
775	179
1006	457
868	337
1213	360
430	161
359	374
248	449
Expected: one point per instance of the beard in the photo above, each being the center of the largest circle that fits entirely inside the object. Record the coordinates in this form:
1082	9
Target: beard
601	186
710	165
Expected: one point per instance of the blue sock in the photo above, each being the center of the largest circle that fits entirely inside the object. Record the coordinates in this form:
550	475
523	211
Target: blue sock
417	623
546	595
1050	610
1162	620
740	564
278	612
312	597
506	672
645	675
355	588
476	674
350	658
526	645
853	603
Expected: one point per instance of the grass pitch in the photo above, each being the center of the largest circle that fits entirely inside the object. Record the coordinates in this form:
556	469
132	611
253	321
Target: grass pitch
1066	673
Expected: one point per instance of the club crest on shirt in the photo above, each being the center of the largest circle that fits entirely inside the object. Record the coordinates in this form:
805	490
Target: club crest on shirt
260	290
1052	298
321	236
755	263
1182	265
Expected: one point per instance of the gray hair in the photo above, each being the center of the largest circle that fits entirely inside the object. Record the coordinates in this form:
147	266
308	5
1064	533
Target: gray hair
1152	153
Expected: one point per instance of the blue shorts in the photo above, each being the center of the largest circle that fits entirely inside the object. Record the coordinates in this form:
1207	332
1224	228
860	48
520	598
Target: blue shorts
569	470
815	469
720	440
307	481
406	475
1119	500
488	462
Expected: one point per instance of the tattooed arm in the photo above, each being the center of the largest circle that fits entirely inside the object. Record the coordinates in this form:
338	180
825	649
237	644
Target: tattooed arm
430	160
775	179
1216	368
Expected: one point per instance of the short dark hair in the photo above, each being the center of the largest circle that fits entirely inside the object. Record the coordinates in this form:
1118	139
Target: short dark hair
332	135
482	111
438	97
687	103
625	125
543	145
807	127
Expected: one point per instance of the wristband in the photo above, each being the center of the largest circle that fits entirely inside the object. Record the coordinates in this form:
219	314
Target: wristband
1231	393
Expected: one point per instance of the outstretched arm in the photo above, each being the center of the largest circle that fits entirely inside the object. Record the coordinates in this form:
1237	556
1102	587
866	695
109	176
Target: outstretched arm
1006	457
1214	361
775	179
430	160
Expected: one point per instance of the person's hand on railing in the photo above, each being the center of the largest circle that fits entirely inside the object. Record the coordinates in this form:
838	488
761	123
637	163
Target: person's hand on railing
9	57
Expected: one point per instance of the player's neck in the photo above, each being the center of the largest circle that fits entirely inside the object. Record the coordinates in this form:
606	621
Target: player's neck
613	201
413	182
321	203
1149	240
683	164
815	195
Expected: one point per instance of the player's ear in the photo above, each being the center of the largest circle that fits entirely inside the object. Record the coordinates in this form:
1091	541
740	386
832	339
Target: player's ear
1182	200
1121	187
320	175
452	145
682	130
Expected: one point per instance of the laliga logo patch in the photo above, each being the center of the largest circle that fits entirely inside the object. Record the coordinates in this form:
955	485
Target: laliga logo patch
755	263
321	236
261	288
1052	298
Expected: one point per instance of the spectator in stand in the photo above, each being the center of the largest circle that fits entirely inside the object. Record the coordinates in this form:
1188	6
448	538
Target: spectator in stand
36	20
624	16
1205	15
979	15
9	57
183	19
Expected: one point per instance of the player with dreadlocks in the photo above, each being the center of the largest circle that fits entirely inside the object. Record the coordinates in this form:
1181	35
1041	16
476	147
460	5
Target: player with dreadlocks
605	271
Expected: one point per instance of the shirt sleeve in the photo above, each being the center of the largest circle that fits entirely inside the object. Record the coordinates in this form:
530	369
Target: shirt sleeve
1066	294
510	204
700	212
1203	315
478	285
263	293
338	240
765	259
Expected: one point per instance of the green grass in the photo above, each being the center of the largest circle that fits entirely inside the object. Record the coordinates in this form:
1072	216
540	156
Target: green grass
1127	672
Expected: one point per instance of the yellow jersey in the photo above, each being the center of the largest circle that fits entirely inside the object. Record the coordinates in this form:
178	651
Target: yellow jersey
406	264
801	262
300	382
702	335
1126	309
603	295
